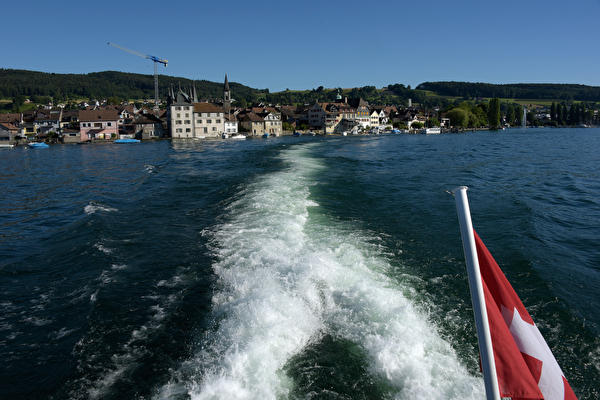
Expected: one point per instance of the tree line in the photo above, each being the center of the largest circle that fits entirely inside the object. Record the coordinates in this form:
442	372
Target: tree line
540	91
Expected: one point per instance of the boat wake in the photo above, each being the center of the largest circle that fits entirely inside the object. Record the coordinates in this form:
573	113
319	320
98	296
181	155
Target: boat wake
291	278
94	207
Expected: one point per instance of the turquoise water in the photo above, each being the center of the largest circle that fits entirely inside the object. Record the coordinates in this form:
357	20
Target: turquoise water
326	267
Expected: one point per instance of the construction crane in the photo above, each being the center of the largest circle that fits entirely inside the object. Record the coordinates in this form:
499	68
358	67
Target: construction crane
156	61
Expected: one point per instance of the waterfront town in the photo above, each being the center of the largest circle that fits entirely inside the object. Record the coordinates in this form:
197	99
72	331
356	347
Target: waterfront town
187	117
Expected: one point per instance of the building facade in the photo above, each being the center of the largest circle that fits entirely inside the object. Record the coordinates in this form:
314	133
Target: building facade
209	120
98	124
180	115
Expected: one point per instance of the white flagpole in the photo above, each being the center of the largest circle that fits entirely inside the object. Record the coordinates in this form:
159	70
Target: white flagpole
484	338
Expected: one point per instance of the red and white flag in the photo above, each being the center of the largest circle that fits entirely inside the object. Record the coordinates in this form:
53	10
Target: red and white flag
525	366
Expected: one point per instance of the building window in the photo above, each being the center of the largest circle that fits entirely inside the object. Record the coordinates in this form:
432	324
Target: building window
188	130
209	121
218	121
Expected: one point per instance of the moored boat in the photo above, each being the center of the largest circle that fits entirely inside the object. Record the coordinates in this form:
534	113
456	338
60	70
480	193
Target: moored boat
430	131
239	136
126	141
297	134
38	145
6	146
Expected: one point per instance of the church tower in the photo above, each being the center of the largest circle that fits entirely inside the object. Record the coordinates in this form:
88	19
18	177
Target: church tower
226	95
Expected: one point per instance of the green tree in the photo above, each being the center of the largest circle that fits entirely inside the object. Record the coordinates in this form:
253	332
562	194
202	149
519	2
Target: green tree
553	112
510	114
242	103
559	114
494	113
518	115
432	121
416	125
18	101
480	113
459	117
572	115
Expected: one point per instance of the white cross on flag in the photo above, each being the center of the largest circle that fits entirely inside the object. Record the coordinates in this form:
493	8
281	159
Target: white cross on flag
525	365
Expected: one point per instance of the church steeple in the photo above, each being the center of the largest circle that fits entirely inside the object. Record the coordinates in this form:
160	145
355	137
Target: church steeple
226	95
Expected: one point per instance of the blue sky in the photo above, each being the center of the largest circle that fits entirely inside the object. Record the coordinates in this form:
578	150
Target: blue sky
279	44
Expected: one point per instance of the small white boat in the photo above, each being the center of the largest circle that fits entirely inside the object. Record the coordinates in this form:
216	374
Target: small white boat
238	137
225	135
6	146
344	133
431	131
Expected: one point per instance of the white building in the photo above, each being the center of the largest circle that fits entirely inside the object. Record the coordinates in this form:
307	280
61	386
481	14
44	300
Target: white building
181	116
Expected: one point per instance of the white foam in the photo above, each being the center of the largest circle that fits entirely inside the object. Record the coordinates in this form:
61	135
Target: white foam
286	279
102	248
94	207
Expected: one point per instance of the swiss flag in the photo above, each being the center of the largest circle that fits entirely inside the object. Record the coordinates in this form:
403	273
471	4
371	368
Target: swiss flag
525	365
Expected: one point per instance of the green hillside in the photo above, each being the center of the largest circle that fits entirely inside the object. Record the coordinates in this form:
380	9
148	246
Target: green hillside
41	87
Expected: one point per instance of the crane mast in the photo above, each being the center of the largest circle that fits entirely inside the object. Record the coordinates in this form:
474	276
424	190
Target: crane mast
156	61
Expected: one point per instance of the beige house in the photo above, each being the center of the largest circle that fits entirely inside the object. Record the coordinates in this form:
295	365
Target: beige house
272	123
374	119
253	123
209	120
182	122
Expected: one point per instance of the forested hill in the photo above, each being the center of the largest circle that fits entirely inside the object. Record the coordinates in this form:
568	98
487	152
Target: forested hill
549	91
101	85
16	85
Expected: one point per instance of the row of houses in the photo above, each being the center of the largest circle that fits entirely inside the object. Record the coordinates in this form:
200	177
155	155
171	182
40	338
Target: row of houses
187	117
106	123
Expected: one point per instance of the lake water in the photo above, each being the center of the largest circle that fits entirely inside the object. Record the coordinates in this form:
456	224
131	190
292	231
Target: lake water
289	268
